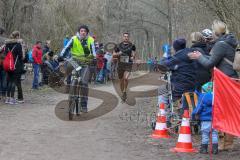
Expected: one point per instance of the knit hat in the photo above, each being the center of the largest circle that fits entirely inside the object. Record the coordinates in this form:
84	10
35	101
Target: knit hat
207	87
179	44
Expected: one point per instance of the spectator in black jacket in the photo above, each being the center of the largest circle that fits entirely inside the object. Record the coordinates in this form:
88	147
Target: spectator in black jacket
3	80
46	50
203	75
14	44
224	50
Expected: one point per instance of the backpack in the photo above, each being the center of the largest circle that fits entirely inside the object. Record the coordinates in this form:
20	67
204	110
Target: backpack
236	61
8	63
30	57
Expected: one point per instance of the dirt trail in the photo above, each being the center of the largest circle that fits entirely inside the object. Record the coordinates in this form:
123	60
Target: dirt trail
32	131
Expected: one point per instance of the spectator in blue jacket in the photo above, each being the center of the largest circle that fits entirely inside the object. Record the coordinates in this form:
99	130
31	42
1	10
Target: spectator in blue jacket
203	112
183	69
183	73
65	41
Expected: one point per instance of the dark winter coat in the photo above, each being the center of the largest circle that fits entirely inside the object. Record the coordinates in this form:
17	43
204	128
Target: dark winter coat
183	72
203	74
46	49
224	47
15	46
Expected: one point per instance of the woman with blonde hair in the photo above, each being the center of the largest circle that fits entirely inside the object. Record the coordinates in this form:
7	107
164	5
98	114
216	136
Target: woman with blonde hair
199	44
219	28
222	52
197	37
14	44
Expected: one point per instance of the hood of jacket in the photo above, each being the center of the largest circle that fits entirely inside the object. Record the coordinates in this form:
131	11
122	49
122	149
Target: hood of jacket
10	41
229	39
199	45
37	47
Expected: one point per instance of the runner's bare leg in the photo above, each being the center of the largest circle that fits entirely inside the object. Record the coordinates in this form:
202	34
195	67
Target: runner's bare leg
122	84
126	77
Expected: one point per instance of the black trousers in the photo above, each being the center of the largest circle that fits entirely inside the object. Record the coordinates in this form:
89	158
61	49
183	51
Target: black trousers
45	74
14	80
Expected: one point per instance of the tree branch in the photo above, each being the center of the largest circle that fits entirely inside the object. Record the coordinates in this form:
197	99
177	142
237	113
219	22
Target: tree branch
156	8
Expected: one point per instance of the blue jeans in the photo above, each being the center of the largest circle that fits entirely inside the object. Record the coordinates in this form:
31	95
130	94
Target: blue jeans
35	84
100	76
3	83
205	130
105	74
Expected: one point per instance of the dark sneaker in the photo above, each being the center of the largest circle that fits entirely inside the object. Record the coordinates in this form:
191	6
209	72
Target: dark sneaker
204	149
35	88
40	84
215	148
124	96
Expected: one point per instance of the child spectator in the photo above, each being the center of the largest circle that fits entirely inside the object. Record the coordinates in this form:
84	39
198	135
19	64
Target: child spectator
52	60
155	64
100	66
203	112
108	64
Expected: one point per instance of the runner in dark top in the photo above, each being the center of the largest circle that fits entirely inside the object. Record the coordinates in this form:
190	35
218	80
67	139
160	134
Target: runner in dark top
125	51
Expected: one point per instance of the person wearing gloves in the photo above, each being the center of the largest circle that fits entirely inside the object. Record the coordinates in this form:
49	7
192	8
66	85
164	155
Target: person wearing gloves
82	50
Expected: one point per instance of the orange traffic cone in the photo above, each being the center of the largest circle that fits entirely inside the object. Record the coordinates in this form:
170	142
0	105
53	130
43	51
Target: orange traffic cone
161	126
184	143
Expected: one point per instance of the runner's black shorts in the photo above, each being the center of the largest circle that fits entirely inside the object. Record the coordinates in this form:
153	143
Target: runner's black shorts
124	67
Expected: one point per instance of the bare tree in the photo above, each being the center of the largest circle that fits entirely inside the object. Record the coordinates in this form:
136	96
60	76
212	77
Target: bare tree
151	22
227	11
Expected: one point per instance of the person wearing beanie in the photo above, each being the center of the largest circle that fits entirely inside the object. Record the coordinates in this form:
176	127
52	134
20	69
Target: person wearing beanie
221	56
179	44
183	70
